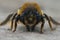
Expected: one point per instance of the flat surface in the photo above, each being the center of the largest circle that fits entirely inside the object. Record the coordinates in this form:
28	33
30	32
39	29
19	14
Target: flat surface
50	7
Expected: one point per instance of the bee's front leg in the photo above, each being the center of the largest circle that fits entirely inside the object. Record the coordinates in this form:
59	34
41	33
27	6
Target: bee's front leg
15	26
27	26
15	23
12	20
11	25
49	21
42	25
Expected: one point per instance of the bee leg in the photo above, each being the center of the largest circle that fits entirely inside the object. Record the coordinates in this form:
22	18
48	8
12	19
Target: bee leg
15	26
32	28
37	20
23	20
12	20
28	28
11	25
15	23
42	25
48	21
50	25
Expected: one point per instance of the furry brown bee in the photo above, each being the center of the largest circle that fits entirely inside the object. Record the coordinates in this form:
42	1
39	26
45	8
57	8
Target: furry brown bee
30	14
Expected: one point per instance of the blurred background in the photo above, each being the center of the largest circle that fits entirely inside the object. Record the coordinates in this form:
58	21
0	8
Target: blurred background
50	7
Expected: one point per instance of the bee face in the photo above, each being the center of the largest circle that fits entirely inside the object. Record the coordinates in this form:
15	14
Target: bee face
31	17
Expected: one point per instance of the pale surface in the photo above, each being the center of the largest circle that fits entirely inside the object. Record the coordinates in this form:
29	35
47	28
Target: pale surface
50	7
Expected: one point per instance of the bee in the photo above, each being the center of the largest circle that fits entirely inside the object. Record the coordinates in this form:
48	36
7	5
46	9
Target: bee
30	14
